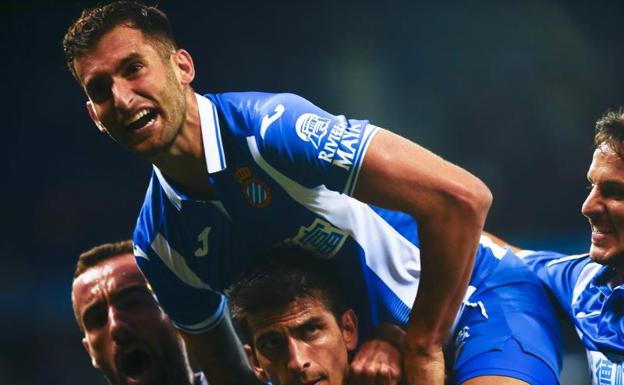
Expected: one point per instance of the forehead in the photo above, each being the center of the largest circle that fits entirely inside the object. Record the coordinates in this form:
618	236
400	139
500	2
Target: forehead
106	278
606	162
296	313
115	45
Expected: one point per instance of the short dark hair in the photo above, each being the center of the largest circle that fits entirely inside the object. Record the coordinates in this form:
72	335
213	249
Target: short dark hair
283	275
93	23
610	131
97	255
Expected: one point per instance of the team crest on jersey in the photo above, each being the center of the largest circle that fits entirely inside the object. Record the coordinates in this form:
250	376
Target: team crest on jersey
312	128
320	238
256	191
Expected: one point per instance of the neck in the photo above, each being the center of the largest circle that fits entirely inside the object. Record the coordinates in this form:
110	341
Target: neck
184	162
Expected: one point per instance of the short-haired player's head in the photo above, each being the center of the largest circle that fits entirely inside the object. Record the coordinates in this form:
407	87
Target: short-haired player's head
137	82
126	333
292	315
604	205
610	131
93	23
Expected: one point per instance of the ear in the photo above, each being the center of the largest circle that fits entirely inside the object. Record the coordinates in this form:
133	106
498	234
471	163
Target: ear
185	68
350	329
85	345
255	366
95	118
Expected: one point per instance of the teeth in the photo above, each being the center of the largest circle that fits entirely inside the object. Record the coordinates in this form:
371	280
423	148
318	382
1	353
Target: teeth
136	117
596	229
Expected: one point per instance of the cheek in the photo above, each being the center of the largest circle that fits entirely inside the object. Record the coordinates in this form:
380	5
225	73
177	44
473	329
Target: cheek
616	212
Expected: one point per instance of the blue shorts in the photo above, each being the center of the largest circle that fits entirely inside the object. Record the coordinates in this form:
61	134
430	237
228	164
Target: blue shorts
508	327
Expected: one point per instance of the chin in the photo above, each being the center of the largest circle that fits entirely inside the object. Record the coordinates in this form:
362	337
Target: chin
606	256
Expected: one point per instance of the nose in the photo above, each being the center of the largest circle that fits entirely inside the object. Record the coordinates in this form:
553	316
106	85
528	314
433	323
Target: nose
123	95
592	207
118	325
298	360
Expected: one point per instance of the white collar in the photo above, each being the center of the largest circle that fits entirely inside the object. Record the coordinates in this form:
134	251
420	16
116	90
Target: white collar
211	135
213	147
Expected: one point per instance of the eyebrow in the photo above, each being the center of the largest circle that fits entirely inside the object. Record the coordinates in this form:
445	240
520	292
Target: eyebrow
122	63
133	289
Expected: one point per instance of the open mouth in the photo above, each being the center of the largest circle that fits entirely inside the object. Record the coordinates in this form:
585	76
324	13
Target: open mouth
141	119
135	363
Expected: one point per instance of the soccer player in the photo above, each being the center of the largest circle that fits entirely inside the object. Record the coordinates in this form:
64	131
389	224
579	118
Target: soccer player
590	287
295	321
128	336
237	173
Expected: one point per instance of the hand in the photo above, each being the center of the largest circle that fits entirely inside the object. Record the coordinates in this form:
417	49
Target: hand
377	362
424	369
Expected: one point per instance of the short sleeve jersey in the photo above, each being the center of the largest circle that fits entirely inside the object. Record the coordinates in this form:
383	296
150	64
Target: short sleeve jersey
284	171
590	296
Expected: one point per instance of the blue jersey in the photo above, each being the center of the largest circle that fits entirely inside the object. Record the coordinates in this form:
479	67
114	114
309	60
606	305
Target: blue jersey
587	293
284	171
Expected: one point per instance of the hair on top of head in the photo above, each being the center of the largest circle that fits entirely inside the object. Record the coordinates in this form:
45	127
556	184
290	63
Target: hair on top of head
84	34
97	254
282	275
610	131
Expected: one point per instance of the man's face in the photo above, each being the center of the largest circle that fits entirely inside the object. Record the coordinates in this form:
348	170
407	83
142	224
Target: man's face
302	343
136	94
604	207
127	335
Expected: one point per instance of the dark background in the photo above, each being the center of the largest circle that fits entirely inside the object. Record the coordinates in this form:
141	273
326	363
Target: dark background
509	90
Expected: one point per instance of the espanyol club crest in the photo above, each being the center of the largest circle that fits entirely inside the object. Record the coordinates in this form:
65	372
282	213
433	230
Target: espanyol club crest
256	191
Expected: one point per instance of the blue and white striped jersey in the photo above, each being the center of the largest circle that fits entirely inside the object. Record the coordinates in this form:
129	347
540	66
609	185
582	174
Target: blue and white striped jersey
593	298
284	171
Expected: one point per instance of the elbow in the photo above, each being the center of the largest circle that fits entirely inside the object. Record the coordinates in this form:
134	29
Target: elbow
474	200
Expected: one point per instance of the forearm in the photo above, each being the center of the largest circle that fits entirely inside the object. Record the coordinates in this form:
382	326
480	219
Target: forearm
448	244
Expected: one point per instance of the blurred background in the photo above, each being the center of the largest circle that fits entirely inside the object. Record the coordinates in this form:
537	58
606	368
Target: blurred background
509	90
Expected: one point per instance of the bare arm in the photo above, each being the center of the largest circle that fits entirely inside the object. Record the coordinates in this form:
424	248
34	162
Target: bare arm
450	206
220	355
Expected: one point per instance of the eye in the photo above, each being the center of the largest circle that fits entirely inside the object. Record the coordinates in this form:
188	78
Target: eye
270	343
135	299
310	331
98	91
612	191
132	68
95	318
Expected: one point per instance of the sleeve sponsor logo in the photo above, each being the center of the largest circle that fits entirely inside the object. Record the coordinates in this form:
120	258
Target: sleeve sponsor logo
312	128
341	145
320	238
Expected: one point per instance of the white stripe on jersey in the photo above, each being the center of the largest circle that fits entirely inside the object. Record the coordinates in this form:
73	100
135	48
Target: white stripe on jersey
173	197
211	135
176	263
566	258
498	251
394	259
588	272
